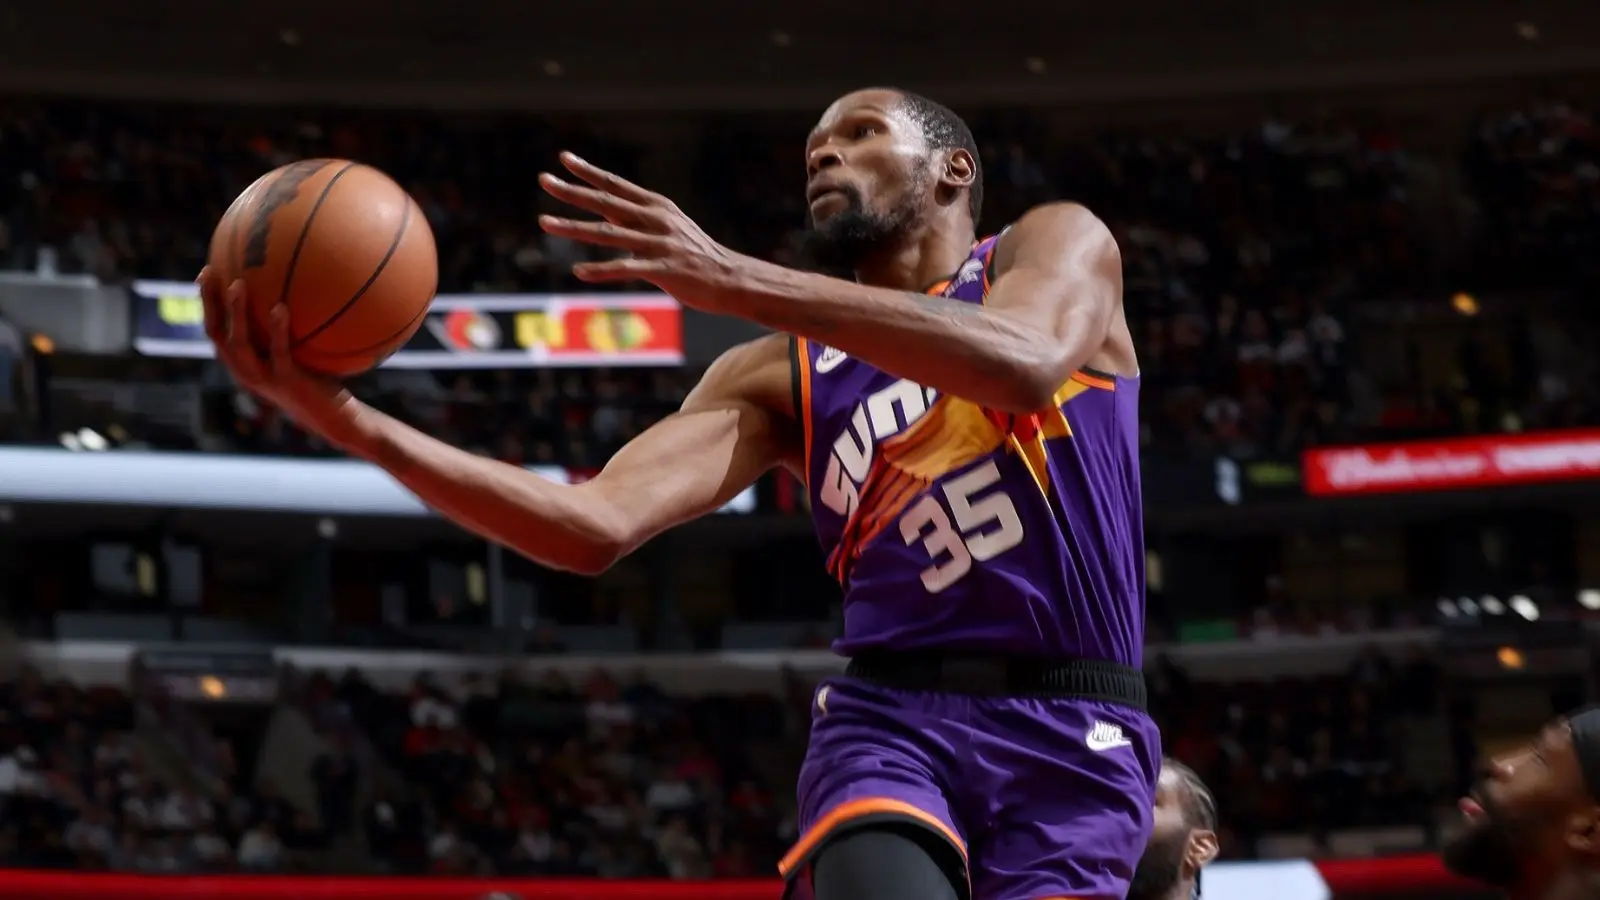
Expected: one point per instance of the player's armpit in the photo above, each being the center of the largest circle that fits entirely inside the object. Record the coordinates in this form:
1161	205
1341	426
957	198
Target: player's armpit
1058	270
731	429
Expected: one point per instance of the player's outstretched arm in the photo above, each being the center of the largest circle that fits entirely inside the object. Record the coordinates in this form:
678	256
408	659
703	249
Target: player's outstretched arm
726	435
1056	294
734	426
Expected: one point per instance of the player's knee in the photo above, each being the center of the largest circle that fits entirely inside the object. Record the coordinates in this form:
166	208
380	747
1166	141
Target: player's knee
889	862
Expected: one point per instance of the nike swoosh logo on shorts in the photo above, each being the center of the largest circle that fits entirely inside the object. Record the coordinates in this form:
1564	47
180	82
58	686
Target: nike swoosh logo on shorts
1105	736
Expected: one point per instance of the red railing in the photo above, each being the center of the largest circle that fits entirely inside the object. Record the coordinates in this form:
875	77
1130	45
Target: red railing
1419	875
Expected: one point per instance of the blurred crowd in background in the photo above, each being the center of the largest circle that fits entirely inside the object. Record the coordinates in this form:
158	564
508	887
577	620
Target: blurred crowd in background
618	779
1253	258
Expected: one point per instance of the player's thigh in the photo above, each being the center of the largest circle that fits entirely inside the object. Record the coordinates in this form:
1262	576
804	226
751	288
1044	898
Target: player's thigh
888	862
1068	790
878	757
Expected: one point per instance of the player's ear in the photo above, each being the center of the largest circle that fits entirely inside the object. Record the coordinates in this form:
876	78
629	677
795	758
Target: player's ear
1583	833
960	169
1203	848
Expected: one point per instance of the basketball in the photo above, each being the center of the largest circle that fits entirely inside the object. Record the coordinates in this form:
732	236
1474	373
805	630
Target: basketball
344	247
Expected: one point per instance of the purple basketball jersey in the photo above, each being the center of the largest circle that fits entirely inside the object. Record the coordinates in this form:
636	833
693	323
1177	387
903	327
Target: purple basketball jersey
958	528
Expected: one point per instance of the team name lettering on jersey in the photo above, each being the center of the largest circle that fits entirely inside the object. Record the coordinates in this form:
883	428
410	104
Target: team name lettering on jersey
880	416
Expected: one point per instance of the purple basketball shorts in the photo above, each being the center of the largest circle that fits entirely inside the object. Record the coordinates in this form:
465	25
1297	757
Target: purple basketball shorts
1041	798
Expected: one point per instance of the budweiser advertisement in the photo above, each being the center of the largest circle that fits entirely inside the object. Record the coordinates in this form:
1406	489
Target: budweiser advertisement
1456	464
469	331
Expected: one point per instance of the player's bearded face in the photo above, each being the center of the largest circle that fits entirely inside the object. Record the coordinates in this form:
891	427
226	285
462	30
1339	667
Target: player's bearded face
1488	850
1161	866
841	241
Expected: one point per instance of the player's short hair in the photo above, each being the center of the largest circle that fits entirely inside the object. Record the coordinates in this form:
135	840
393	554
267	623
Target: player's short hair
1199	807
944	130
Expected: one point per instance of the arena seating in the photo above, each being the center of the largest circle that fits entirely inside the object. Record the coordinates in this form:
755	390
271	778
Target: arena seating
1254	260
605	777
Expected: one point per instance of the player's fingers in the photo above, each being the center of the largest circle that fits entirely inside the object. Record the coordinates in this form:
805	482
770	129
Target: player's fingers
239	352
625	269
609	206
278	323
216	317
608	182
233	312
600	234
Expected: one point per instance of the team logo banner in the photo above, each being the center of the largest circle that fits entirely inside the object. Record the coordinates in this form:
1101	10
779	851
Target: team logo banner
471	331
1460	464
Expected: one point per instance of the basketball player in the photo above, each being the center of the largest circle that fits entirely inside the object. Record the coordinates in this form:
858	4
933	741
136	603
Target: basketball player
965	414
1183	840
1533	818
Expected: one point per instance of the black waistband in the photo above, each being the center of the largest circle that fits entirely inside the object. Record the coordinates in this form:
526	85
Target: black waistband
1009	676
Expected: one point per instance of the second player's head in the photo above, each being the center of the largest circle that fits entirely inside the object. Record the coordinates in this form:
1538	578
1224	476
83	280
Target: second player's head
1533	817
881	164
1183	839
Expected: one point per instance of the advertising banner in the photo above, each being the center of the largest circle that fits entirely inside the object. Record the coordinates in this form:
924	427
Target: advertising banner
1456	464
1175	482
213	675
1245	482
471	331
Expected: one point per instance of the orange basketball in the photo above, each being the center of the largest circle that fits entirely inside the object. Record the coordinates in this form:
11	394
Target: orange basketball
344	247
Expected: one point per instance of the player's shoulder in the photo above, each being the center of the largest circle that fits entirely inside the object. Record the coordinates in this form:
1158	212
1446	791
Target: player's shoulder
1062	218
1056	229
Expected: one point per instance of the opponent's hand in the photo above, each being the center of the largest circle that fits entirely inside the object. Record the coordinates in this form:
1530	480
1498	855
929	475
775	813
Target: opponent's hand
665	246
320	405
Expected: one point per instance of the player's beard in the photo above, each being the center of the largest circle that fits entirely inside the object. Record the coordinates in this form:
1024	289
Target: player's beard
841	242
1488	850
1160	868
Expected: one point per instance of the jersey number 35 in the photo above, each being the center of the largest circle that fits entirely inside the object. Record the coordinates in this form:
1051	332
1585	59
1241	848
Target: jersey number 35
979	526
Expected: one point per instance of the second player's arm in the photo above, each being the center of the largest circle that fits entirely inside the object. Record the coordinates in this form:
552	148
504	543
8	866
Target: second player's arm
729	431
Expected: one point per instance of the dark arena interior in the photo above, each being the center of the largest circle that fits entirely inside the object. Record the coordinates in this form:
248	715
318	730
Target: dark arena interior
1360	248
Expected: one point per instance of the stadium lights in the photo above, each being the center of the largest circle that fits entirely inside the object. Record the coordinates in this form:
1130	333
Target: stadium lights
1520	604
1525	607
84	439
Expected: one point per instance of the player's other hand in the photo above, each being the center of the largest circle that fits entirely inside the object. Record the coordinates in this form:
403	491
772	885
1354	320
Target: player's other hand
263	364
662	245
